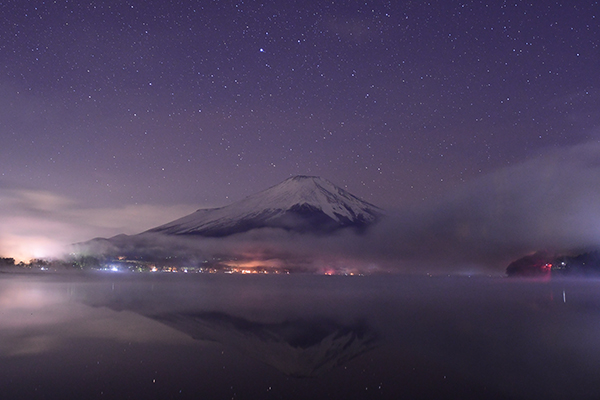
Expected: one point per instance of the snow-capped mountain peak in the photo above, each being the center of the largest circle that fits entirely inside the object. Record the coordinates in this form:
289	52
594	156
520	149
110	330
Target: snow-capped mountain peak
300	203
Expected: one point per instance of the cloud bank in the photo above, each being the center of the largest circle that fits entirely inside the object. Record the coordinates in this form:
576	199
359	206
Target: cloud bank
39	223
550	203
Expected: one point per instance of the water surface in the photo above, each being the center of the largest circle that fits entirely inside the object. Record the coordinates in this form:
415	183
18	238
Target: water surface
161	336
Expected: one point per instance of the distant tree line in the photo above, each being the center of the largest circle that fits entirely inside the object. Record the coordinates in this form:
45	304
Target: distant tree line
544	263
71	263
7	262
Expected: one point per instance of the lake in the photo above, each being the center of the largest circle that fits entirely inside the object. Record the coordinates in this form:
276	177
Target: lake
183	336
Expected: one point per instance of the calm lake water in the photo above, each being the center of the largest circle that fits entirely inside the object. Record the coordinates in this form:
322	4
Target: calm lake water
297	337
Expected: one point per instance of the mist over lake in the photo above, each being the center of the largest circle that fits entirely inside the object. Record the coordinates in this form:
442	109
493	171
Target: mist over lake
297	336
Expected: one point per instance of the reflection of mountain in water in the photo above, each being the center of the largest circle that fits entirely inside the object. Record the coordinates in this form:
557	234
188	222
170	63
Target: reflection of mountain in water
301	346
297	348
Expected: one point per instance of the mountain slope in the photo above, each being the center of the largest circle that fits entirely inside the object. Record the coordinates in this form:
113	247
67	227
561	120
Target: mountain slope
300	203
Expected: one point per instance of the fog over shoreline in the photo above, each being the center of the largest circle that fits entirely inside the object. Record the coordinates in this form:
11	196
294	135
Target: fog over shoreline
549	202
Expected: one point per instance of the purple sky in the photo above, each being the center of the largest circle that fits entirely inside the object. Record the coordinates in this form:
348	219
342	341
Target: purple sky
118	116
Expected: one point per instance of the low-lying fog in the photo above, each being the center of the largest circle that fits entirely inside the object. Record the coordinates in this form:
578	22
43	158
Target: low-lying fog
546	203
297	336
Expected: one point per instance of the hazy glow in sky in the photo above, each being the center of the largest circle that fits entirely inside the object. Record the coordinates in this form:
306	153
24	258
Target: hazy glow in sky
41	224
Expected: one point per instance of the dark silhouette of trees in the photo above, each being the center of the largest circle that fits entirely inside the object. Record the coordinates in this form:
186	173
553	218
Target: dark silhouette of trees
7	262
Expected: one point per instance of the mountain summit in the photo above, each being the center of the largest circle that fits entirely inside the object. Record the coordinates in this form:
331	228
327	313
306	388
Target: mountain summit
307	204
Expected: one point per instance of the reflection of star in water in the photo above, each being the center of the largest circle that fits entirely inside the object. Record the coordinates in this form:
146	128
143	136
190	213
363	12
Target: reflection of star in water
297	348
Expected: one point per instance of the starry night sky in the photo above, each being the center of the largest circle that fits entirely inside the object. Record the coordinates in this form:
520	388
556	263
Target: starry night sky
142	106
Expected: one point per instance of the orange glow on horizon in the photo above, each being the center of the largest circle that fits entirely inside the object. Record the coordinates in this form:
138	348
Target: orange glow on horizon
26	248
273	263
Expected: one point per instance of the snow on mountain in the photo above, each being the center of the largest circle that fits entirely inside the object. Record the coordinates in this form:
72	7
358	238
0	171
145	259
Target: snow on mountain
300	203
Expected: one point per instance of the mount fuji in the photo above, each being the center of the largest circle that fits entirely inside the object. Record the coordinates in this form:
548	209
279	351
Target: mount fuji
305	204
